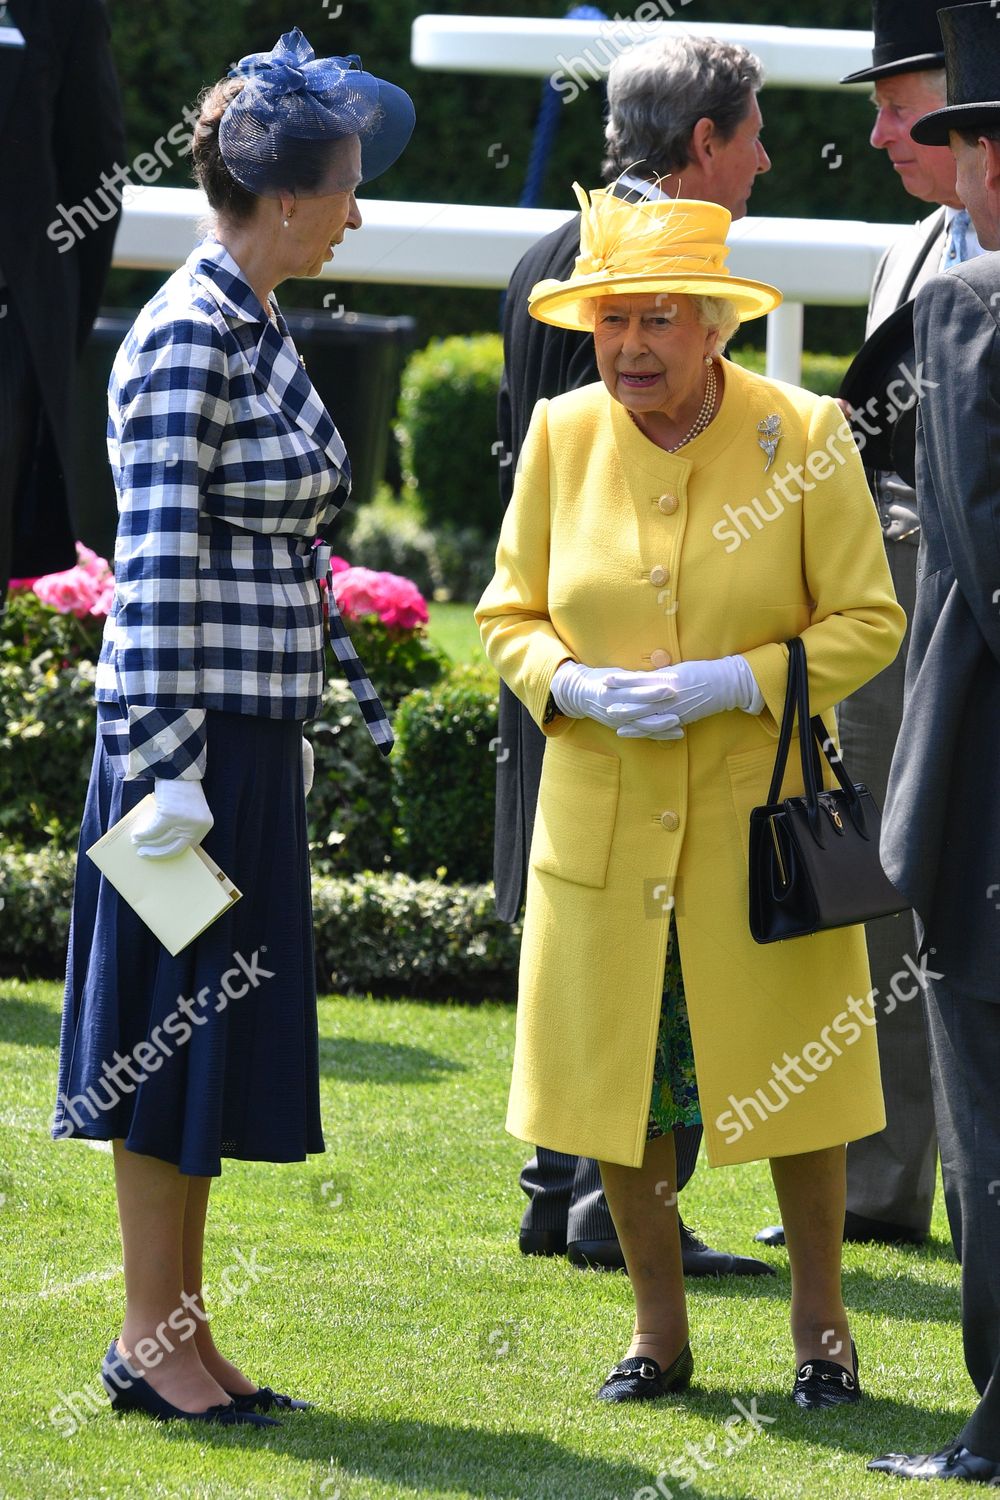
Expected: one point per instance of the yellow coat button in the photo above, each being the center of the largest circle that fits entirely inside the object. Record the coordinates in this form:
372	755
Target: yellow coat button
670	820
659	575
661	659
668	504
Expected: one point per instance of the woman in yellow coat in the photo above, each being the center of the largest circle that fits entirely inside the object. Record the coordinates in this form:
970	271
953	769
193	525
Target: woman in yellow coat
671	527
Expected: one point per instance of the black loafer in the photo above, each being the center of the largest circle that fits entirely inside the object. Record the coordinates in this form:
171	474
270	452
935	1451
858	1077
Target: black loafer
822	1382
639	1379
264	1399
772	1236
953	1462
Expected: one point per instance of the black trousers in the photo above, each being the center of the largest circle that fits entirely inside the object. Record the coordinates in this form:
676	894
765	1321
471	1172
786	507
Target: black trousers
964	1040
20	404
565	1196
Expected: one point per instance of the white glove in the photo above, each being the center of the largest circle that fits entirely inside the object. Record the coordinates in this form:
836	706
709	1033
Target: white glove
699	688
308	765
610	695
179	819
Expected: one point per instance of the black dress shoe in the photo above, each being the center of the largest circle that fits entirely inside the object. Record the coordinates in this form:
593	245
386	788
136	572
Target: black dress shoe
699	1260
861	1231
822	1382
596	1255
696	1257
639	1379
541	1242
857	1231
264	1399
953	1462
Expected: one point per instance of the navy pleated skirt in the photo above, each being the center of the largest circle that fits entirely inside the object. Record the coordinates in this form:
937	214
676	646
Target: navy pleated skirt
234	1071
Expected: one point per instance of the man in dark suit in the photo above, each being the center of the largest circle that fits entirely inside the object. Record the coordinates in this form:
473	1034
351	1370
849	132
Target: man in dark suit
941	829
60	129
891	1176
686	110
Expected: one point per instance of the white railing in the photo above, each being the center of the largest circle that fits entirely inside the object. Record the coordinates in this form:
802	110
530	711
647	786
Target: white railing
820	262
807	57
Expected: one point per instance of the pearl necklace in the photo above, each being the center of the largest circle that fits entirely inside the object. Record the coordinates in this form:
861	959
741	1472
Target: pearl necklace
704	416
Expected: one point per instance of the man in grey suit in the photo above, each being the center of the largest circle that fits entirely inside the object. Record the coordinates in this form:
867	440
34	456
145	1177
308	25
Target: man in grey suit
941	826
891	1176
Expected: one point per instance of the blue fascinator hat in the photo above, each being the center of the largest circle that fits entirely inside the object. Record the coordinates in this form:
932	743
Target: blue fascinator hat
277	132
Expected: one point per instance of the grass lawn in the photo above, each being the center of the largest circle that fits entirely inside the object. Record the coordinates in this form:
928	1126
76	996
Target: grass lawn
454	629
390	1291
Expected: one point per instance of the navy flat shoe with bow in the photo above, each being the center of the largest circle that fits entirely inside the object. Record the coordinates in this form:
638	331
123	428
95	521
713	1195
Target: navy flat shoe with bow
129	1391
264	1399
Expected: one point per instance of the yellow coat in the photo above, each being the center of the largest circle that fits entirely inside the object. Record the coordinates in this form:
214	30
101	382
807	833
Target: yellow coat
615	553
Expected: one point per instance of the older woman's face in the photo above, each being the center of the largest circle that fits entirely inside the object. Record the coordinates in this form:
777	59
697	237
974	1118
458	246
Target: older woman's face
650	349
320	221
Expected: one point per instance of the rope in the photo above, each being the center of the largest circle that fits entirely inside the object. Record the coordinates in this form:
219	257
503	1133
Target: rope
547	124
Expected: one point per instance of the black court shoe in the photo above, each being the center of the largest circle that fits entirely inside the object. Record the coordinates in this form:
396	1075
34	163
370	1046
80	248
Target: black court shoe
128	1391
264	1399
639	1379
822	1382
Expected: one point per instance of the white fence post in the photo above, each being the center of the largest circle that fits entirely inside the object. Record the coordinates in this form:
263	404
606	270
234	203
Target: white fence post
784	342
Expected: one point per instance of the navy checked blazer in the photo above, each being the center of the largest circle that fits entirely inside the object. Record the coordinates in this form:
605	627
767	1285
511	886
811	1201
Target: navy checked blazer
227	466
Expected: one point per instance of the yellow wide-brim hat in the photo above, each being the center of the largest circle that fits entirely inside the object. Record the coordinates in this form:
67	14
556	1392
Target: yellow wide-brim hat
670	245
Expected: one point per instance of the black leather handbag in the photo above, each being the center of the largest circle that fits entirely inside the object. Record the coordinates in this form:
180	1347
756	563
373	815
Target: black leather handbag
814	860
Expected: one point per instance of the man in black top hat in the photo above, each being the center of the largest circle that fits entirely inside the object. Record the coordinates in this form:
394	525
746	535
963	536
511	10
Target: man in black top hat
941	830
686	108
891	1176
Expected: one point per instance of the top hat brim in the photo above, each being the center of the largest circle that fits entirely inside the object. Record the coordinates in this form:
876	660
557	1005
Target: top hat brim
865	388
560	302
934	129
923	62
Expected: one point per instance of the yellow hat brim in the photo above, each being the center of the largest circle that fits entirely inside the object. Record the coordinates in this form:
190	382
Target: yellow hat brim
559	302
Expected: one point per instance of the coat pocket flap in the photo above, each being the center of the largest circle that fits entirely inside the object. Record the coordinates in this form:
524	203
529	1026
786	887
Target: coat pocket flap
575	818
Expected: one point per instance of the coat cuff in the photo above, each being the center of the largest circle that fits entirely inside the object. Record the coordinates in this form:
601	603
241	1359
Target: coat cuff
168	743
769	665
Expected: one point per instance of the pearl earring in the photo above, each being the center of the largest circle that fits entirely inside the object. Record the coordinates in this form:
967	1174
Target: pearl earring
284	223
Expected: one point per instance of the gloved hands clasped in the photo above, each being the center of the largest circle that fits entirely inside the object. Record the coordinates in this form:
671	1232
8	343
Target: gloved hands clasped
658	704
180	818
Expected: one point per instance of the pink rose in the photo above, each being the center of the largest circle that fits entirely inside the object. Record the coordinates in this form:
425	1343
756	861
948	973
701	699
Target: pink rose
403	605
396	601
86	589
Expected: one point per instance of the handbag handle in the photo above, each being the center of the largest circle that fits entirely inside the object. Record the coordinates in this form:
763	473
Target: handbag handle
810	744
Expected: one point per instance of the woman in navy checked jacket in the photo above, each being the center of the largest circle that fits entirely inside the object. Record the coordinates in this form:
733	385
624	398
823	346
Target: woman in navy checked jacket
228	469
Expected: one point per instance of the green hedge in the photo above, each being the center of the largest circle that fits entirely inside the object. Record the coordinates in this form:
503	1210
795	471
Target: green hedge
447	427
444	777
382	934
390	533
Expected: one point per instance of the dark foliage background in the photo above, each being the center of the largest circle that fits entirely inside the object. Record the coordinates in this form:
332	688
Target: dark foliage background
167	52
